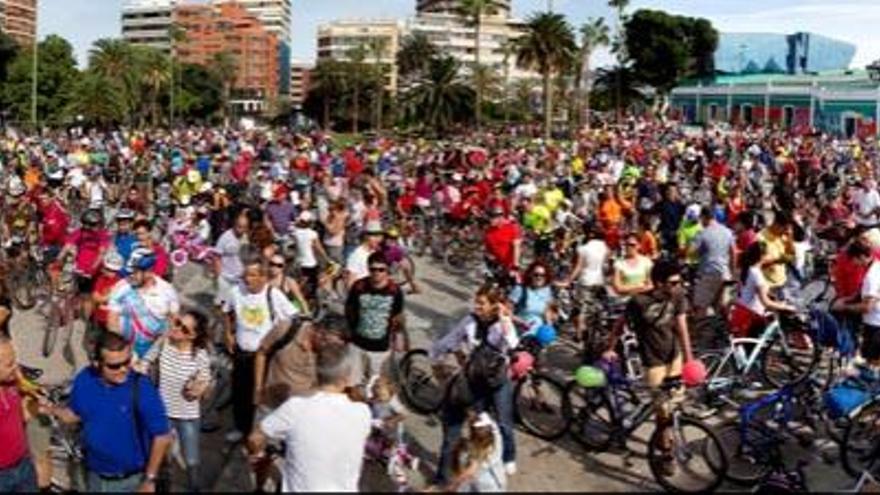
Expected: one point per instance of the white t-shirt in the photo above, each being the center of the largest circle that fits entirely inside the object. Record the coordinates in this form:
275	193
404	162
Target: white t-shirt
252	321
748	295
356	264
593	256
325	434
866	203
305	250
871	288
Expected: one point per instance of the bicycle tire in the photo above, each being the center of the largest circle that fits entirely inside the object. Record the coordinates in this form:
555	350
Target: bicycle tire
742	468
418	386
592	422
852	453
53	326
717	469
812	354
530	417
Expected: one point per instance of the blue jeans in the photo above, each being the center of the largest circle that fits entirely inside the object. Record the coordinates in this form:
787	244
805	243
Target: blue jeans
19	478
501	402
188	435
97	484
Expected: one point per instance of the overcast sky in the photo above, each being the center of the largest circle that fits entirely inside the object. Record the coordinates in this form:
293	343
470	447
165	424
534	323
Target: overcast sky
856	21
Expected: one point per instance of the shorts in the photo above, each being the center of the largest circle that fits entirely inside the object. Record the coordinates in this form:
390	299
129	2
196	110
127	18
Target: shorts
655	376
84	284
870	345
707	289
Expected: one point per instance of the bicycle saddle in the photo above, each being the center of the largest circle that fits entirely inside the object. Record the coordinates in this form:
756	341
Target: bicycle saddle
32	374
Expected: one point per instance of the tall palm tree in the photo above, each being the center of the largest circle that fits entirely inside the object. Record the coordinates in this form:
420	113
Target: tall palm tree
594	34
414	56
474	11
619	46
377	48
442	97
356	57
154	70
225	66
547	46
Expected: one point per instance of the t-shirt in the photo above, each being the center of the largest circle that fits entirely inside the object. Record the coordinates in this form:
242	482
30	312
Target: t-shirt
112	445
748	295
252	318
305	249
593	256
499	242
871	288
369	311
713	244
653	320
325	434
12	433
88	244
356	264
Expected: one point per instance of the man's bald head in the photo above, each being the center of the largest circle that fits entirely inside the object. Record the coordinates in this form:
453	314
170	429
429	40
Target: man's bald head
8	364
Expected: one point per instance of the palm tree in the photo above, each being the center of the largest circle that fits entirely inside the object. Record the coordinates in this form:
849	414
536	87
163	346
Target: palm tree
619	45
356	57
377	48
547	46
473	11
442	97
414	56
225	66
154	68
594	34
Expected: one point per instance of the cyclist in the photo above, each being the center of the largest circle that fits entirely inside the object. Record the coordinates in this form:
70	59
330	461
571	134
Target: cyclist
659	319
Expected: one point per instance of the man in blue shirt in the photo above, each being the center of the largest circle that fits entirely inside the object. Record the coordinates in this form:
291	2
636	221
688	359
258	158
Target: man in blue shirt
125	430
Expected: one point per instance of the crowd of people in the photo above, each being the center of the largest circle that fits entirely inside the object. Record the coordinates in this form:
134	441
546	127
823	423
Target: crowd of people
649	215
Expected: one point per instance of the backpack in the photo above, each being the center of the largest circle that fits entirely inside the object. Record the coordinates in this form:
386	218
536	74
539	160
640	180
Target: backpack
486	369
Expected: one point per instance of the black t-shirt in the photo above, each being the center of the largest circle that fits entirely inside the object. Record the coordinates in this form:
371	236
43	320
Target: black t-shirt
652	318
369	311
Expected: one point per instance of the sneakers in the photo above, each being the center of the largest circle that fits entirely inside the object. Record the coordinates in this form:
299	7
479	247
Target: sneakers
234	436
510	468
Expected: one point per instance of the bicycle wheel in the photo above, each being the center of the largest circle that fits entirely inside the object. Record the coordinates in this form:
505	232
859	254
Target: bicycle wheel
53	326
790	358
418	386
860	449
591	420
746	464
695	464
539	404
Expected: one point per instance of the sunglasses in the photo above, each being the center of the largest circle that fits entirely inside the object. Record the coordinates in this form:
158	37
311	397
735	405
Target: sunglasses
117	366
378	269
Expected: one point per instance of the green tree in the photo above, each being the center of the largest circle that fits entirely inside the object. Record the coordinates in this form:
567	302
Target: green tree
442	98
414	56
665	48
225	66
594	34
474	11
56	79
548	46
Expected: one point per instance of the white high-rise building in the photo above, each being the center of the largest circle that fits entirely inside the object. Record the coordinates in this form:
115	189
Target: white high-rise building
147	22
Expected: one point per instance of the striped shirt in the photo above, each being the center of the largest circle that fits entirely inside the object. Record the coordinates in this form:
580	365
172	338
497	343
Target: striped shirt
176	368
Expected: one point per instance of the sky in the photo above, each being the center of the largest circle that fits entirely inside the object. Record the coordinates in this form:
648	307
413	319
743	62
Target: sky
84	21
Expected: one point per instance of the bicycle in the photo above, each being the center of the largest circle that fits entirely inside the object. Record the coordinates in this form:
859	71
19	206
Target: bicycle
601	417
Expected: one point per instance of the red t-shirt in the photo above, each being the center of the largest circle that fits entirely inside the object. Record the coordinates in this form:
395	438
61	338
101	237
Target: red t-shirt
499	242
12	434
103	284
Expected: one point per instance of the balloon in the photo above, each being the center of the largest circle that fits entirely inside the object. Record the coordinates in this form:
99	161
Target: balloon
693	373
590	377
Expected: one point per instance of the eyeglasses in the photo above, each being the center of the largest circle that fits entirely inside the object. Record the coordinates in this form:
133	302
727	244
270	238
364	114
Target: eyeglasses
378	269
117	366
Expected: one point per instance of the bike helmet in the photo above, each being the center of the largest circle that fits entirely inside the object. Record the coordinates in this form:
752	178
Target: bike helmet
91	218
142	259
16	187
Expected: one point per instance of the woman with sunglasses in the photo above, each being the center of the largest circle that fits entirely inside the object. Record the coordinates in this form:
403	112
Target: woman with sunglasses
182	370
533	299
632	273
279	279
